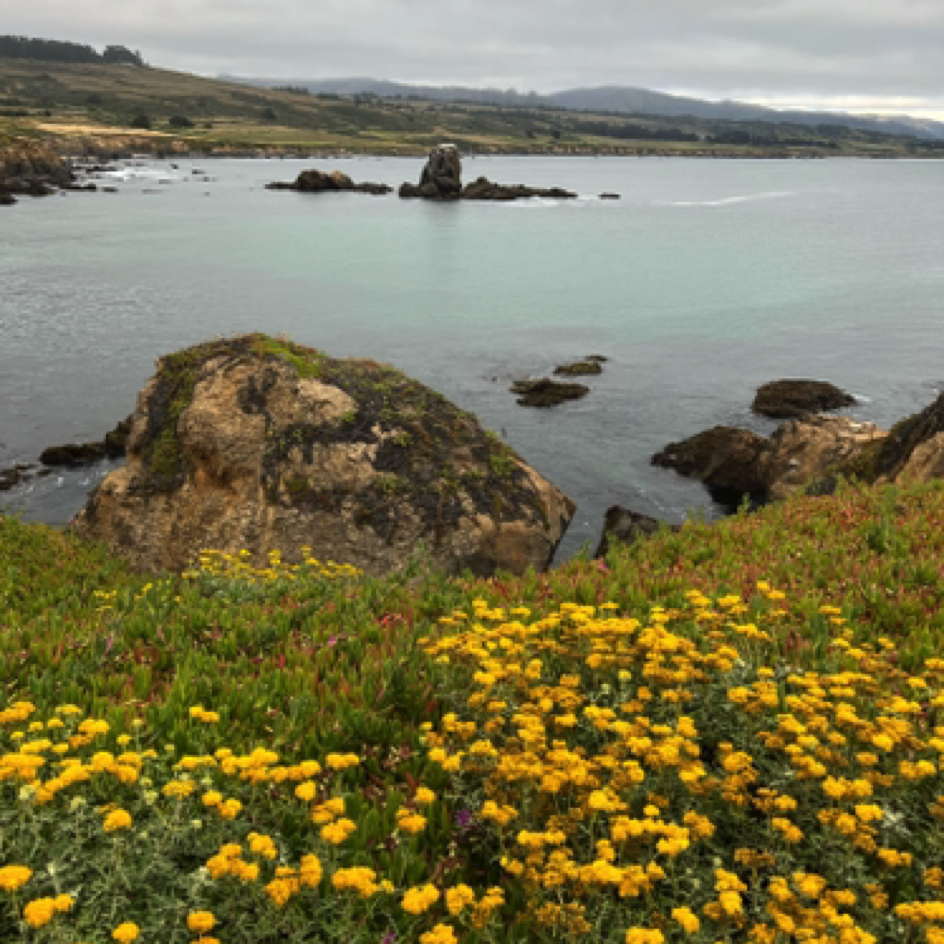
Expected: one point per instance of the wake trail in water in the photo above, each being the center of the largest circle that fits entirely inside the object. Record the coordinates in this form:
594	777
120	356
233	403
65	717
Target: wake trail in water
729	201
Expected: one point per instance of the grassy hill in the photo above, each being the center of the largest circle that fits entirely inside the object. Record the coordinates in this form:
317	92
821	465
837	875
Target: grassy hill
123	105
713	735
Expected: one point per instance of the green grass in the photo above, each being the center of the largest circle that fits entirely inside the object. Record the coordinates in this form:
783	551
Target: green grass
878	553
314	660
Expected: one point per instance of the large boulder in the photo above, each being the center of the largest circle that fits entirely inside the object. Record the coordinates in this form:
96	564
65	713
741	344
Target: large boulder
261	444
805	451
911	451
791	399
726	459
914	448
441	178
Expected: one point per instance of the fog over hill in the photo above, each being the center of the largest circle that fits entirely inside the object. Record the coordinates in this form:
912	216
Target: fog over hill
618	99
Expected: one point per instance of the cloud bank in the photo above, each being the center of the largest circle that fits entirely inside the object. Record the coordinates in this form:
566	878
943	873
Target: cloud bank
878	55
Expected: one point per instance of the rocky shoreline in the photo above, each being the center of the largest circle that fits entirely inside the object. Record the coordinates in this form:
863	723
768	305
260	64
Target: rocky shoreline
804	455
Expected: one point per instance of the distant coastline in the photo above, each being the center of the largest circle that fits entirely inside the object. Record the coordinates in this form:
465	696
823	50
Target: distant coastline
174	149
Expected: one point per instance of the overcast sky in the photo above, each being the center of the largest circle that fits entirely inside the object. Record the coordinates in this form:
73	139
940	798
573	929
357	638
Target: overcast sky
858	55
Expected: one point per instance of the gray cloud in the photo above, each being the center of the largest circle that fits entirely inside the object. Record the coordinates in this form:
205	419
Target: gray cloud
878	53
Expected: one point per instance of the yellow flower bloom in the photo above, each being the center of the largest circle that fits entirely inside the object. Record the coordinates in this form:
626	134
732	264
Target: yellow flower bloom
40	912
441	934
338	831
13	877
125	933
200	921
419	900
118	819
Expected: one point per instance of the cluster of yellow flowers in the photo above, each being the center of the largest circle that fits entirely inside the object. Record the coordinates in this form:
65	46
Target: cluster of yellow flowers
618	757
239	567
615	761
44	770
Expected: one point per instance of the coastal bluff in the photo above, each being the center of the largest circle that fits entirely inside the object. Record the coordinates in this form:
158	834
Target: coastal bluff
262	444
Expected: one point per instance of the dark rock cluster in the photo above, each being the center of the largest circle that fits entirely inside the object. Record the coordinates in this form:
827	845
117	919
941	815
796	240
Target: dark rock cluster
485	189
791	399
317	181
547	392
441	178
544	392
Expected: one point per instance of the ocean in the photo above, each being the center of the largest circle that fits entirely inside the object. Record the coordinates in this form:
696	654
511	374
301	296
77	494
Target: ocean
705	280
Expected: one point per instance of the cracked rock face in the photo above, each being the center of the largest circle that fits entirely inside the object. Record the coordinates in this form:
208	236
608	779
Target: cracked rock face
258	444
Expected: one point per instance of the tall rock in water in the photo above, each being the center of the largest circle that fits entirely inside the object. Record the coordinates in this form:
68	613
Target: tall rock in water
261	444
441	178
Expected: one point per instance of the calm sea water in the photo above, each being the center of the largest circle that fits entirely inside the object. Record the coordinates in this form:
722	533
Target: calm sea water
707	279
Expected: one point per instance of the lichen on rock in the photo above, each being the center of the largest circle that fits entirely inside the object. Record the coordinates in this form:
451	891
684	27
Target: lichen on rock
259	443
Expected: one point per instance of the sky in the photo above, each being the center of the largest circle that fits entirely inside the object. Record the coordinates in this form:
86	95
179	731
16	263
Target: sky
866	56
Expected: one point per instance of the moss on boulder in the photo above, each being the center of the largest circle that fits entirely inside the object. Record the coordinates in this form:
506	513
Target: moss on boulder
261	443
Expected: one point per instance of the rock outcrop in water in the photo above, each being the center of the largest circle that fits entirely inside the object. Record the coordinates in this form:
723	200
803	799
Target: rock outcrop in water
441	178
33	169
544	392
791	399
584	368
726	459
77	454
485	189
317	181
809	454
262	444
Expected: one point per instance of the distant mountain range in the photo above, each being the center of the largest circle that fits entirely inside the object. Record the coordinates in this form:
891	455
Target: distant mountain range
615	99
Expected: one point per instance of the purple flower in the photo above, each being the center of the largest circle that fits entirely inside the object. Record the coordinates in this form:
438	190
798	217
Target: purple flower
463	818
389	937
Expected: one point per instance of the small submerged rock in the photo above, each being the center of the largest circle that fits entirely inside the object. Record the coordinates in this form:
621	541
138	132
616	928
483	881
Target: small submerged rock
580	368
545	392
609	196
20	473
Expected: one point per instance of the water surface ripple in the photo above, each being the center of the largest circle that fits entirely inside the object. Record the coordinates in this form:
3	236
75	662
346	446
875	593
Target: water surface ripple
705	280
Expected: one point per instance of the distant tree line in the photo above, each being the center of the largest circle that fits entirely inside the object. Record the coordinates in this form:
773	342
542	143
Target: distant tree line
755	139
54	50
606	129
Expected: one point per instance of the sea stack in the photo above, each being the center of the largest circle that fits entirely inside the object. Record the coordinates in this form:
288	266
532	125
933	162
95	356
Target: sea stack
441	178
